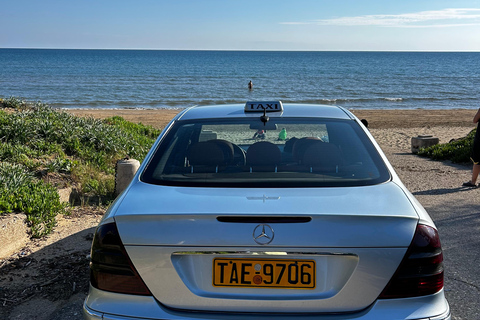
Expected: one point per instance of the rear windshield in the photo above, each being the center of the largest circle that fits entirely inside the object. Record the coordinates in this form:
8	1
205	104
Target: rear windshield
281	153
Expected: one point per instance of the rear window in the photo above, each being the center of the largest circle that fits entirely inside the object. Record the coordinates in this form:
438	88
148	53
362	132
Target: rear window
281	153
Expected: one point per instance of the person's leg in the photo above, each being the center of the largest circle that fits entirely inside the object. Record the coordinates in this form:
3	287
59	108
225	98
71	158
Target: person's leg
475	173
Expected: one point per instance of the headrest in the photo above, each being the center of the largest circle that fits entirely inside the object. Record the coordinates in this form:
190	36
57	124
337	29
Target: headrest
206	153
322	154
301	145
263	153
227	148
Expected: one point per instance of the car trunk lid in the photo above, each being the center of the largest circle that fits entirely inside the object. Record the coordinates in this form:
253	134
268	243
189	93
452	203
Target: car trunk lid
349	240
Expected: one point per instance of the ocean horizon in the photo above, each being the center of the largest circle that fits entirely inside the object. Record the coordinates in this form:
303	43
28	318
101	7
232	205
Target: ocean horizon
152	79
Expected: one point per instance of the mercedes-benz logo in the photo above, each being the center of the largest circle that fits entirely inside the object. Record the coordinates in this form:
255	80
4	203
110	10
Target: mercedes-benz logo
263	234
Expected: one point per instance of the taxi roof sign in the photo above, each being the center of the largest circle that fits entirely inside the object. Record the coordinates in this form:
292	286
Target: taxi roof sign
263	106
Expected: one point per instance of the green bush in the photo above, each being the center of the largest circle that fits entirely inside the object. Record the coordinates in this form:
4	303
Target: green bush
457	151
60	165
14	103
136	129
21	192
100	143
37	140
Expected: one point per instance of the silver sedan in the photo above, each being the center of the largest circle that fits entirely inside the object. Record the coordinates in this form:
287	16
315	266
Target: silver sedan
266	211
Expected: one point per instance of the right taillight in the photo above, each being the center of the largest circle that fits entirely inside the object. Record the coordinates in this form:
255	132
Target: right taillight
110	266
421	271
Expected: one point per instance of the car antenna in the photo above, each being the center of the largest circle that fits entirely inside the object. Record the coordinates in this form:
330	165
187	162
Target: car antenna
264	118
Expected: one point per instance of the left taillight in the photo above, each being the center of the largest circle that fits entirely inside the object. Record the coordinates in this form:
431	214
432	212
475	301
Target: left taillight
110	266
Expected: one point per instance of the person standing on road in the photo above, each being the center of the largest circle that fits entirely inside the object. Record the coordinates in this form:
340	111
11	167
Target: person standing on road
475	154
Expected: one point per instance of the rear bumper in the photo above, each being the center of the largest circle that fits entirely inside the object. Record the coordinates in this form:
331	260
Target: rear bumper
101	305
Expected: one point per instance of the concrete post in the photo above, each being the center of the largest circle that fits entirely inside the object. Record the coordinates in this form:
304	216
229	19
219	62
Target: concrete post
125	171
423	141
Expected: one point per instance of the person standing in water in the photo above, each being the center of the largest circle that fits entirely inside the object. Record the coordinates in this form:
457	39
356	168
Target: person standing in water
250	85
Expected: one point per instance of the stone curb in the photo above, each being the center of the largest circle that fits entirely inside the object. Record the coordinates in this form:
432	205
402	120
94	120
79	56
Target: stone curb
13	234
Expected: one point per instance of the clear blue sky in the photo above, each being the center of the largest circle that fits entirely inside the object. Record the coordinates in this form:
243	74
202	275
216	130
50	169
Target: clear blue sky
430	25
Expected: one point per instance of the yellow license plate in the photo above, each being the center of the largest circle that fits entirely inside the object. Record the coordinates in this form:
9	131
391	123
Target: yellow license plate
264	273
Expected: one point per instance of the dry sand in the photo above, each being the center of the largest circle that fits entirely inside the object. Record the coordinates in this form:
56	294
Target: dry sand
378	119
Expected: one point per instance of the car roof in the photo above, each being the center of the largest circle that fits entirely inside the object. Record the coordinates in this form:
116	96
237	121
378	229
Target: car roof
289	111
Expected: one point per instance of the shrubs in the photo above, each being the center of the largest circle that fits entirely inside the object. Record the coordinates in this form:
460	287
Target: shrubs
21	192
38	142
457	151
14	103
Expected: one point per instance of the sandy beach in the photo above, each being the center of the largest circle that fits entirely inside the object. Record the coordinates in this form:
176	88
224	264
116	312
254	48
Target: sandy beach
378	119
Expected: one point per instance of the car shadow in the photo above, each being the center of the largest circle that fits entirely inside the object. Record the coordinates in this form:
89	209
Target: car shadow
458	226
459	166
403	154
441	191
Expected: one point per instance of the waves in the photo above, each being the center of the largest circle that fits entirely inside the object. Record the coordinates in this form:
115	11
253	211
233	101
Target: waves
179	79
356	103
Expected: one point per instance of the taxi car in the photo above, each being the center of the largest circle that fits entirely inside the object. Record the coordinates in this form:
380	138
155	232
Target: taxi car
266	211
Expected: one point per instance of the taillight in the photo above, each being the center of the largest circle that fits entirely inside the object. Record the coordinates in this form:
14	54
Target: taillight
110	266
421	271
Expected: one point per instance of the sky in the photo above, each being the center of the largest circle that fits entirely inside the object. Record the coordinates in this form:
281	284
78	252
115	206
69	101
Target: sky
293	25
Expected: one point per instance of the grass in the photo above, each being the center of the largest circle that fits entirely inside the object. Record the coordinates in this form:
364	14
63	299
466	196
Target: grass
458	151
40	144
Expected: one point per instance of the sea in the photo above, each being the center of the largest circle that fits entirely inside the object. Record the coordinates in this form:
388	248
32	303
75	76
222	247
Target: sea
151	79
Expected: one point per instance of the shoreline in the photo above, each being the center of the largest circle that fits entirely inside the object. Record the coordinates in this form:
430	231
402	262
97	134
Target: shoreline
377	118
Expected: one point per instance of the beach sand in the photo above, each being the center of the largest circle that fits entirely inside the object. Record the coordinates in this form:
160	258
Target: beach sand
378	119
